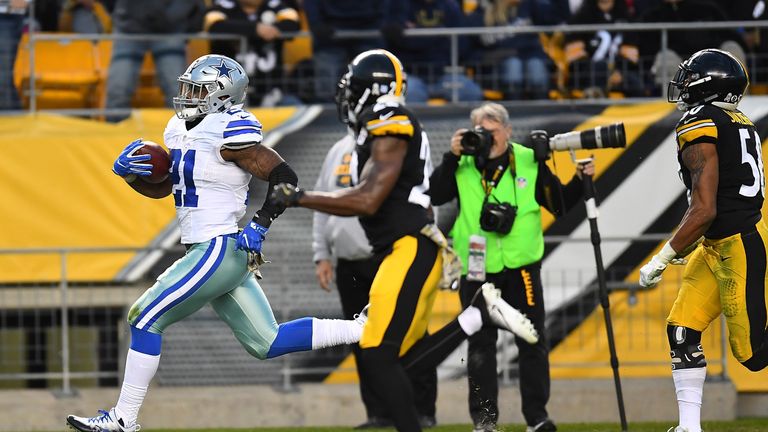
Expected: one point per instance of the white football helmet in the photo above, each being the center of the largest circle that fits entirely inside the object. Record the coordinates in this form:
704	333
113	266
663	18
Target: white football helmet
212	83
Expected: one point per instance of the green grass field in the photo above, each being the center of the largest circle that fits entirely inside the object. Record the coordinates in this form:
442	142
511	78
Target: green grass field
748	425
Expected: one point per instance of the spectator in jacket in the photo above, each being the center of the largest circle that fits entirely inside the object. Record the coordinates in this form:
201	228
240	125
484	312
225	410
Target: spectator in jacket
683	43
524	66
428	58
329	54
262	22
601	61
167	18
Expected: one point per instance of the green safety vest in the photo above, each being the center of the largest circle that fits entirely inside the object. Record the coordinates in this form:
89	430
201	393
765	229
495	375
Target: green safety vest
524	244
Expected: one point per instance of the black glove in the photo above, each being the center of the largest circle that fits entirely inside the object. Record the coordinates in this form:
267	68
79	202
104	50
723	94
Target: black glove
286	194
323	32
392	33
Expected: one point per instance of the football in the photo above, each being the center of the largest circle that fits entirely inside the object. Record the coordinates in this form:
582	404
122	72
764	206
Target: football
160	161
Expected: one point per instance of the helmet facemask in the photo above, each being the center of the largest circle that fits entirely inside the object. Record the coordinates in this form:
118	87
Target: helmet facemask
678	88
350	99
373	76
191	101
342	99
212	83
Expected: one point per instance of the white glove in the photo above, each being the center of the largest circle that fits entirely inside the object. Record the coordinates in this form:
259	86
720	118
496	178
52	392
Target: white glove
650	274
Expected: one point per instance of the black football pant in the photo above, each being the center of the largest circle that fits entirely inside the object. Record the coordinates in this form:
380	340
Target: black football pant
353	279
522	289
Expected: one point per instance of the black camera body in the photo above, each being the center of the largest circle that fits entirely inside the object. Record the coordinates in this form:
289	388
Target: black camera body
476	142
498	217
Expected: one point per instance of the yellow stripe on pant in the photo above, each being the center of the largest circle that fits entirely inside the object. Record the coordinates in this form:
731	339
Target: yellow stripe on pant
402	294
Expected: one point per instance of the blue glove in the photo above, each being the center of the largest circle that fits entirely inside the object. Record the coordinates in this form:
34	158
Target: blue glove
251	238
129	162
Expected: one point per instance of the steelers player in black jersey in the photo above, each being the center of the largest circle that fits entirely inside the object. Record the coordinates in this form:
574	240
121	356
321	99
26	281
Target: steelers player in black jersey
391	167
721	165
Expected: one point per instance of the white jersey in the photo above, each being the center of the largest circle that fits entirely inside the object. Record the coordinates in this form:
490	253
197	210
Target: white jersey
210	193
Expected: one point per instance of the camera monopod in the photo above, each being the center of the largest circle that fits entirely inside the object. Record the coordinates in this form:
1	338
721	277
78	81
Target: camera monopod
611	136
594	234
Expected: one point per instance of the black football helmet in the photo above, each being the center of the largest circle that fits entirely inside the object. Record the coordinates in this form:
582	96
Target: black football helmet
710	76
373	74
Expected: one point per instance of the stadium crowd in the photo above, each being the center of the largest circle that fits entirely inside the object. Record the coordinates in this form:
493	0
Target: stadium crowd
507	66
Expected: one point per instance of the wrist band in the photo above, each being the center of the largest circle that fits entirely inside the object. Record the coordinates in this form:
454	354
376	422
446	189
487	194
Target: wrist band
667	253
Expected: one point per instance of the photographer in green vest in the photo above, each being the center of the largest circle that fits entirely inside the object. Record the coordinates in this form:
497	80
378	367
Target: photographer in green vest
498	236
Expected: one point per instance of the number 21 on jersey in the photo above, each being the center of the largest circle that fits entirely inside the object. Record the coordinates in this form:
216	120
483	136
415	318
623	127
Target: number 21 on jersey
182	168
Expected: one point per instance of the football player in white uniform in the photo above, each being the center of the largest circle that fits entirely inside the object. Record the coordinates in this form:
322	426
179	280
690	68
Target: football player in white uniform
215	149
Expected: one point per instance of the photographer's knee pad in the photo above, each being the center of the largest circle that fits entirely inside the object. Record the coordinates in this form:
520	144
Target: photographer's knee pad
685	348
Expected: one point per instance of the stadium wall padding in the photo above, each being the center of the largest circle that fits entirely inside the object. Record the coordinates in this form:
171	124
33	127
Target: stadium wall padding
59	192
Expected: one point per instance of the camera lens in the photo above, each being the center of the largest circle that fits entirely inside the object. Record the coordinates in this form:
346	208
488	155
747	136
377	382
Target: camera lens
470	142
611	136
489	221
497	217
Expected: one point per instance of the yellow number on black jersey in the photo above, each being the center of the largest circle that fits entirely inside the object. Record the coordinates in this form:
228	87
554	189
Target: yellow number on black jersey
741	184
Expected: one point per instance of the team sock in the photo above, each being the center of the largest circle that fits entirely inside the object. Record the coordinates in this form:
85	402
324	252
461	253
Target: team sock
140	368
332	332
313	333
689	386
471	320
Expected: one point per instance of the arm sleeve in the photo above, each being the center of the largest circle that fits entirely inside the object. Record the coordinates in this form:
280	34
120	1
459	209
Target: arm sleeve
283	173
442	182
553	195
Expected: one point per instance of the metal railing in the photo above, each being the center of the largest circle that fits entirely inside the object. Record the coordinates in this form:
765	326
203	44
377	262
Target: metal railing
452	34
68	300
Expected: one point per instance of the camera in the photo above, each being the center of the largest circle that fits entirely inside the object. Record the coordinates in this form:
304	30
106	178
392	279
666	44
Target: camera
476	142
497	217
611	136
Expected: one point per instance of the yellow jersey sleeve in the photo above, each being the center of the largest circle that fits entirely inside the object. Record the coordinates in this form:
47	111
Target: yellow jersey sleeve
389	120
694	130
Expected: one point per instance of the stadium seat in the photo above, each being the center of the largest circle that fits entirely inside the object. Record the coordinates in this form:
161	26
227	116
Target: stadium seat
66	73
297	49
197	48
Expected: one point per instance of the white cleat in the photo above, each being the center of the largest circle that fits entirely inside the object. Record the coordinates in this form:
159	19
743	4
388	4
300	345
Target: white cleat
504	316
677	429
485	428
106	421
